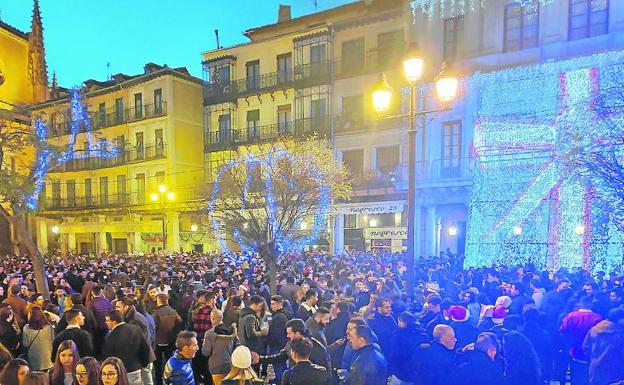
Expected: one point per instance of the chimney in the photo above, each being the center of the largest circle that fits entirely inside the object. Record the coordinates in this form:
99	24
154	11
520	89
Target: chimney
284	13
217	36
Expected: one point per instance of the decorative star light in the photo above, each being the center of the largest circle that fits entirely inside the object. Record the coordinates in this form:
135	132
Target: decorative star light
48	159
283	238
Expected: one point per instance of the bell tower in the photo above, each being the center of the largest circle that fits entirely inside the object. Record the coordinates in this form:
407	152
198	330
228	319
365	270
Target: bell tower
37	69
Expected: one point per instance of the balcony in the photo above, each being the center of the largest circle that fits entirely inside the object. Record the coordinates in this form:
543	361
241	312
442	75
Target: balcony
377	60
221	92
110	117
311	74
301	128
126	156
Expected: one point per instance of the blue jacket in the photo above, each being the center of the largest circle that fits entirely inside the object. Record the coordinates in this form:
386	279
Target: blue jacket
178	371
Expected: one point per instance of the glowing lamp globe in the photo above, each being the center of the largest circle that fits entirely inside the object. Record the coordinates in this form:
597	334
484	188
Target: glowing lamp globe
382	94
162	188
413	68
517	230
452	231
194	227
154	197
55	229
170	196
446	85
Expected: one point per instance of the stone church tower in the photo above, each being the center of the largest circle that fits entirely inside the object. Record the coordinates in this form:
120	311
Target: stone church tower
37	68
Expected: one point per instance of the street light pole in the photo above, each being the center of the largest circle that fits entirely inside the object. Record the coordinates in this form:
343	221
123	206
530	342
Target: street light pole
411	190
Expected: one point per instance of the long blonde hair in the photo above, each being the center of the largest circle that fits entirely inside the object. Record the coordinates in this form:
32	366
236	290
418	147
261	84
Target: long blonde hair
242	375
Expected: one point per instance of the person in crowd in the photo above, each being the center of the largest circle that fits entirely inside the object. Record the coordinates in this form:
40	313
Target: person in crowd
241	373
276	337
405	343
521	363
76	303
168	325
604	347
519	298
178	370
67	356
18	305
128	343
304	372
435	361
574	328
481	365
307	308
538	292
316	325
37	338
349	354
14	371
126	306
465	332
151	299
9	330
250	329
113	372
75	333
370	366
218	346
36	378
232	312
86	372
383	325
541	341
99	306
289	291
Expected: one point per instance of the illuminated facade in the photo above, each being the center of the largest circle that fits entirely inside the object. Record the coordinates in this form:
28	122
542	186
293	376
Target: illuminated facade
146	196
23	80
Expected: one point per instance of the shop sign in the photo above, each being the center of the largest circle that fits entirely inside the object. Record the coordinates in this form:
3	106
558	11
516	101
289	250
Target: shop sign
369	208
385	233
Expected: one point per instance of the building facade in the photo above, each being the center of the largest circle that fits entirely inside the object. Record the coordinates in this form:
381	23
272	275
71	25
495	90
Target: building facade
144	197
23	81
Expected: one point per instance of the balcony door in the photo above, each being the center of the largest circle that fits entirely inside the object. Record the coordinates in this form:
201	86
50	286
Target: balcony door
451	149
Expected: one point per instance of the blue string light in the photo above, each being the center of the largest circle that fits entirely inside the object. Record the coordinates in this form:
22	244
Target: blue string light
47	158
284	239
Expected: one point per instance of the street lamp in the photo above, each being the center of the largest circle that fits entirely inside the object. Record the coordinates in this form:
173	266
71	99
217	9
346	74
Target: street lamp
446	85
55	229
163	196
194	227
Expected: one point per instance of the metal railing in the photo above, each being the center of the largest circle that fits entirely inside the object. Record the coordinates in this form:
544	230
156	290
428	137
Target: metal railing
300	128
228	91
126	155
110	117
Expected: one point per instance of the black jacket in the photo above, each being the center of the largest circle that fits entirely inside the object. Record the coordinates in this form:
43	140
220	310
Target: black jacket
369	368
277	330
127	343
306	373
434	364
384	327
319	355
250	330
476	367
405	342
81	338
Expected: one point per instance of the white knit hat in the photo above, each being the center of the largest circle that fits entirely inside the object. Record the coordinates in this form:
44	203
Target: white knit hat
241	357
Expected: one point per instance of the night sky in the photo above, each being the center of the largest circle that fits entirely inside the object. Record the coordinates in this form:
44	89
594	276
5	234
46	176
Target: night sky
82	36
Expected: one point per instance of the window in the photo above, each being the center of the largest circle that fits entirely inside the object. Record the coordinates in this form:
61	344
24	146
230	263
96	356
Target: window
253	123
389	47
159	143
220	74
253	75
284	68
352	111
160	178
354	162
318	114
225	133
453	38
71	193
387	159
138	105
140	145
588	18
451	148
119	112
350	221
521	26
140	183
353	56
102	115
88	192
318	60
121	189
56	193
158	107
284	118
103	190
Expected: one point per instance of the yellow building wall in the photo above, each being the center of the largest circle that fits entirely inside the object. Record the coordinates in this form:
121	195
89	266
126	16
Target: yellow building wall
16	88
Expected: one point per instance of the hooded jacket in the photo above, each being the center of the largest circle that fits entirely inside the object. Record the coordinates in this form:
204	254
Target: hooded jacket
219	343
249	330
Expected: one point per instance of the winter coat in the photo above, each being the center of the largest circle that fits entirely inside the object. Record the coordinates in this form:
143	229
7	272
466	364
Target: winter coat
100	307
476	367
38	343
168	323
277	330
604	346
434	364
249	330
219	343
369	367
405	342
306	373
178	371
384	327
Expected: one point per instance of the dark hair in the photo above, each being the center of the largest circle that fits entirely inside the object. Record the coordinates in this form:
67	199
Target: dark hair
255	300
15	290
408	318
365	332
521	363
76	298
310	293
36	378
71	314
162	298
96	290
586	302
57	375
380	301
302	346
616	314
321	311
127	301
278	298
115	316
531	315
234	301
122	374
184	338
434	299
344	307
487	340
357	321
93	368
297	325
37	319
8	376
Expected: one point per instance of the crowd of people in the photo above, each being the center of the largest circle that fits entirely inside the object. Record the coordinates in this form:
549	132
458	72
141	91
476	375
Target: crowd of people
198	318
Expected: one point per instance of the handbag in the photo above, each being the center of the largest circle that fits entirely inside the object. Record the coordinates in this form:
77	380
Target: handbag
24	356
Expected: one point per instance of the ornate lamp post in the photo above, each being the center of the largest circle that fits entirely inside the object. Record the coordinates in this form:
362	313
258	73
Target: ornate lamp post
163	196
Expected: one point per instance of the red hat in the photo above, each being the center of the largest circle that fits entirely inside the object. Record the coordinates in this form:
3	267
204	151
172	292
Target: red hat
498	314
458	313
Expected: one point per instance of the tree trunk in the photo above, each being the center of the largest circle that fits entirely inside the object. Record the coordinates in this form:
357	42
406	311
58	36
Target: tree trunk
18	221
